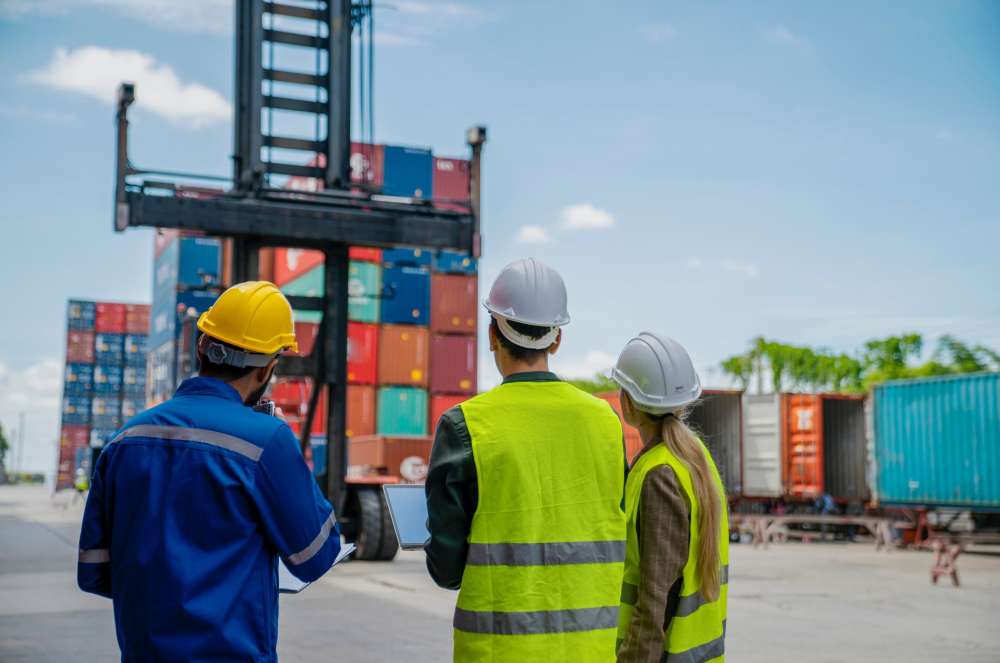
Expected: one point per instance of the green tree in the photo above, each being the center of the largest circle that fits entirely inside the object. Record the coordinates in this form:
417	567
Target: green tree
960	357
4	448
989	355
599	384
740	368
889	358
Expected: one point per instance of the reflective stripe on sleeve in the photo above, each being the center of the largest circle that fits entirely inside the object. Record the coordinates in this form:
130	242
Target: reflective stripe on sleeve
536	622
210	437
95	556
310	551
543	554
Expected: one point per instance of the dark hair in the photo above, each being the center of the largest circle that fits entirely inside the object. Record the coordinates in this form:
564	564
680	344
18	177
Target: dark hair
224	372
516	351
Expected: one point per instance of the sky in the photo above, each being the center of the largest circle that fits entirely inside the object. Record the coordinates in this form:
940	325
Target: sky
819	173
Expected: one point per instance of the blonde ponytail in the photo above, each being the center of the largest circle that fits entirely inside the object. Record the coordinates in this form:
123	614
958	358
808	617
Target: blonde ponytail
686	446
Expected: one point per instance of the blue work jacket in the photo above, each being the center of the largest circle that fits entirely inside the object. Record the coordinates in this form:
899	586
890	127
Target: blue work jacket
189	507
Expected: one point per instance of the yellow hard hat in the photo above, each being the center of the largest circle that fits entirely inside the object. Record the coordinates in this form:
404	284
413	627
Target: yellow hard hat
253	316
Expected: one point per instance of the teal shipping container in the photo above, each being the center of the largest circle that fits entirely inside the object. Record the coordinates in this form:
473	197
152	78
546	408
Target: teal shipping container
363	287
937	441
402	411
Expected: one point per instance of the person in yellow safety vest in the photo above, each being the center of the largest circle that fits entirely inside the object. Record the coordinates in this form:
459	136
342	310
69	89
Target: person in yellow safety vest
677	553
525	495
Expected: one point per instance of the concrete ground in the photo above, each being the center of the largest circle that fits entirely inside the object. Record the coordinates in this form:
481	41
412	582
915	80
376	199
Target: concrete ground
793	602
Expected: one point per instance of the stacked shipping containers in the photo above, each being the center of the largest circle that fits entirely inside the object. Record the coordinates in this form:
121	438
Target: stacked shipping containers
105	378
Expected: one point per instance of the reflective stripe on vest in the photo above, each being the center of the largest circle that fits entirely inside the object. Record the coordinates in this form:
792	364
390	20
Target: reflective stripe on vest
696	632
546	548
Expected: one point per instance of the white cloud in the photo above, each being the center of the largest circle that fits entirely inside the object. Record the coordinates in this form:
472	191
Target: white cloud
587	366
43	114
584	216
657	33
96	72
197	16
779	35
416	23
33	391
748	269
533	235
694	263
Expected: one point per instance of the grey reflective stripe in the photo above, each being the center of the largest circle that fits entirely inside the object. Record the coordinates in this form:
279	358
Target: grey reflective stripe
688	604
310	551
543	554
95	556
630	593
537	622
701	653
211	437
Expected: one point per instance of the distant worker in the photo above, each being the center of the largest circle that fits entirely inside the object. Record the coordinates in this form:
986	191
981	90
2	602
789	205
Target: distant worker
524	495
193	500
676	566
80	484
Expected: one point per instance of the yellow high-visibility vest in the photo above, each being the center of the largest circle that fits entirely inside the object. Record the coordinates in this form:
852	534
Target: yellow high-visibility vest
696	633
547	544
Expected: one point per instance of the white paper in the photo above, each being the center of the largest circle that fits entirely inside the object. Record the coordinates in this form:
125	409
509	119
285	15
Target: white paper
289	584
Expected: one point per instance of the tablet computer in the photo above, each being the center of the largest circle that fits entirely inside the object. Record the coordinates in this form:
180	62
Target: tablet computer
408	509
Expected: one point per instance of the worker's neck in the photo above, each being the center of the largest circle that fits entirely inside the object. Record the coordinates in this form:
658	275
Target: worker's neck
509	367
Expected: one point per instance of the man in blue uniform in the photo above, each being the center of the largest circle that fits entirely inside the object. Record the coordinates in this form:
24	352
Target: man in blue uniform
193	500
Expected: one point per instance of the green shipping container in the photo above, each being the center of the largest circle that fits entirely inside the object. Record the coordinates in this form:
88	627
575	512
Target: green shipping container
364	283
402	411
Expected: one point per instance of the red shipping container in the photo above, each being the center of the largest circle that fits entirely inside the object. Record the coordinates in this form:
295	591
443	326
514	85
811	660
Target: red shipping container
377	454
364	254
368	164
451	183
453	364
360	411
453	304
110	318
633	441
137	318
403	355
80	347
305	334
73	437
440	404
362	353
292	396
289	264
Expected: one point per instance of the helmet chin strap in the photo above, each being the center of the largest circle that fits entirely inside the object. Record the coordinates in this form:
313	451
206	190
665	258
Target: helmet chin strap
523	340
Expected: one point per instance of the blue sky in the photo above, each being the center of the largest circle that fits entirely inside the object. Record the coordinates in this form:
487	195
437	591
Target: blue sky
817	172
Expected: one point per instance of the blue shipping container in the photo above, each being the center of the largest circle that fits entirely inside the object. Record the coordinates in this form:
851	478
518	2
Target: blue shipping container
132	407
134	380
188	262
937	441
80	315
319	455
108	349
407	257
406	295
107	380
167	306
453	262
408	172
135	349
101	436
76	410
78	380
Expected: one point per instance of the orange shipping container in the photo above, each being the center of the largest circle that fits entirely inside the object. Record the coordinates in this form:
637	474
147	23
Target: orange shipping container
289	264
453	304
441	404
403	355
802	444
405	457
633	441
360	411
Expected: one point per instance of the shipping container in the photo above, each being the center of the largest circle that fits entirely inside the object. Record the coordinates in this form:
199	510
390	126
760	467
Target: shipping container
134	346
188	262
73	437
100	437
78	379
76	410
402	411
134	380
137	319
307	284
107	380
362	353
365	254
407	258
408	172
403	355
451	183
406	295
937	442
405	457
109	318
360	410
454	306
290	264
305	336
131	407
717	418
80	315
160	372
844	448
633	441
441	403
762	445
453	364
802	437
80	347
105	412
454	262
364	289
368	165
317	449
170	309
109	349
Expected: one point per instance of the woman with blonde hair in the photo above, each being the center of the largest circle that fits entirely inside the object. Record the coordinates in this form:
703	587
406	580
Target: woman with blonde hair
677	551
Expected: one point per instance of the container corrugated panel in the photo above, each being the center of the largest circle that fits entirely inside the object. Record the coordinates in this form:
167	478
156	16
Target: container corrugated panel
362	353
802	417
451	183
365	254
762	445
109	318
364	287
378	454
72	436
107	380
402	411
134	380
368	164
454	306
307	284
406	295
937	441
408	172
78	379
132	407
80	346
109	349
717	418
76	410
305	336
844	448
453	364
290	264
199	263
454	262
360	410
137	319
135	349
441	403
403	355
80	315
407	258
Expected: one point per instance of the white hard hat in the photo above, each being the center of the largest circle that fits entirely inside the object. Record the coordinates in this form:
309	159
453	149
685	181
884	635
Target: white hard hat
532	293
657	373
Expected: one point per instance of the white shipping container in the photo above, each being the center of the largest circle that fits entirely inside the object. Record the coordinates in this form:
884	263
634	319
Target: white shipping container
762	445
